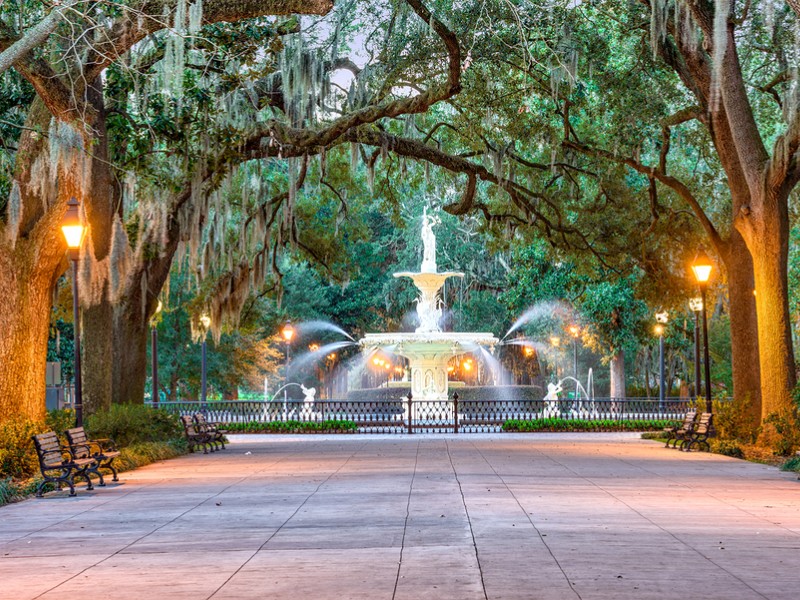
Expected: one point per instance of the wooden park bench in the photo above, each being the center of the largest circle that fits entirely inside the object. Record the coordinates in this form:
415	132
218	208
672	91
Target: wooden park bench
702	430
58	465
215	433
195	436
104	451
677	433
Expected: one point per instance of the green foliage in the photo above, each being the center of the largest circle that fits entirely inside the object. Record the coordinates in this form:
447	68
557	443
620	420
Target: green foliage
327	426
558	424
8	491
726	447
129	424
731	422
60	420
781	432
17	453
793	464
145	453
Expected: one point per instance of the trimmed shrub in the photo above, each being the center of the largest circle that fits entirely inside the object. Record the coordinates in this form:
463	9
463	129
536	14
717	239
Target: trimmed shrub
60	420
793	464
328	426
726	447
17	454
129	424
145	453
558	424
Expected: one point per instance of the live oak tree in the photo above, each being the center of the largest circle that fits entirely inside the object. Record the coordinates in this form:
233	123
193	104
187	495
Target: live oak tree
62	152
65	150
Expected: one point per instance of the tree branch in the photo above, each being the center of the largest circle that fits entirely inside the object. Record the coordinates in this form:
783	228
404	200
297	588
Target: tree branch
675	184
35	36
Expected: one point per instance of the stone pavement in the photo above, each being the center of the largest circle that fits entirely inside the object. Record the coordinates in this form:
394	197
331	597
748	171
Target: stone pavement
404	517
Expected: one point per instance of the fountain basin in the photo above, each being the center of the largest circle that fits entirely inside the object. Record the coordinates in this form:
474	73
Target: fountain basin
428	354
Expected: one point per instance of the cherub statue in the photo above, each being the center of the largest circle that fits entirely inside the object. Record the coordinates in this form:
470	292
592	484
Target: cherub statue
308	393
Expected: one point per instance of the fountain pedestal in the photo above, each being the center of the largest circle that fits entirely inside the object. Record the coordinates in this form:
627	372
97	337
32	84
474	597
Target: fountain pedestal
428	354
428	349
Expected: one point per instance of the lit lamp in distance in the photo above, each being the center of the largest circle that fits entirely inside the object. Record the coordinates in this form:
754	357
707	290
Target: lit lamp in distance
288	333
154	353
661	321
73	229
205	322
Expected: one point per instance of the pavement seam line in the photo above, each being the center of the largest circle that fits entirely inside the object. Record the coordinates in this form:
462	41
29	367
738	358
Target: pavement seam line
405	523
289	518
669	533
74	516
469	519
140	538
528	517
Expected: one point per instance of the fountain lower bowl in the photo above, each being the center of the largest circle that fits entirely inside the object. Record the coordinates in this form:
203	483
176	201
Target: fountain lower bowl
410	345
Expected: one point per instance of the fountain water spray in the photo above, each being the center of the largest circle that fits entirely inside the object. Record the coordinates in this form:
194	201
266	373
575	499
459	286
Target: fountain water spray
307	326
428	349
540	310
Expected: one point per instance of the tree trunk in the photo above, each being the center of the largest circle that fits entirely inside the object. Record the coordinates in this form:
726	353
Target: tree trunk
24	321
132	322
97	321
770	248
130	354
745	359
618	375
28	272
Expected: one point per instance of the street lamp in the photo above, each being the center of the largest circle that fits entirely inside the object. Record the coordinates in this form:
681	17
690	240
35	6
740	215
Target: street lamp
575	332
661	320
288	333
205	321
696	305
73	229
702	267
154	353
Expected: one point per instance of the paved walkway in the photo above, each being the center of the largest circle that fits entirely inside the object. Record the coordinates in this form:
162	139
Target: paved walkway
456	517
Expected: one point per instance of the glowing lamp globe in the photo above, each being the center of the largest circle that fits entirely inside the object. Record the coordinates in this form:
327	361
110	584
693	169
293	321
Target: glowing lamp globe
702	267
287	332
71	225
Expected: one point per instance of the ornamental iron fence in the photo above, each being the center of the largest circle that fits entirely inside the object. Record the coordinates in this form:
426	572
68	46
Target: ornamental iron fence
405	415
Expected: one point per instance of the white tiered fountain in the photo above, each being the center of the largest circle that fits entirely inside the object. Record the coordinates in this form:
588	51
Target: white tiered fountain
428	349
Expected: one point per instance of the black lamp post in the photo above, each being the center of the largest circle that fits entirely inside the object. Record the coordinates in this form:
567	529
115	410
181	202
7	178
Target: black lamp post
72	228
661	321
205	321
696	305
702	267
154	355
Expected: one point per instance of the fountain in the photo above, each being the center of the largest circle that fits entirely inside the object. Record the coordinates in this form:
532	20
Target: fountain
428	349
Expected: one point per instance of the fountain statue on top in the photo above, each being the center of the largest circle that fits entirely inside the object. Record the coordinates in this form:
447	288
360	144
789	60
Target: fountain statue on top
428	280
428	349
428	242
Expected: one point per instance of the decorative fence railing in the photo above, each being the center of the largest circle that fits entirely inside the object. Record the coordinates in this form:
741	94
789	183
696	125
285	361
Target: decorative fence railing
409	416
